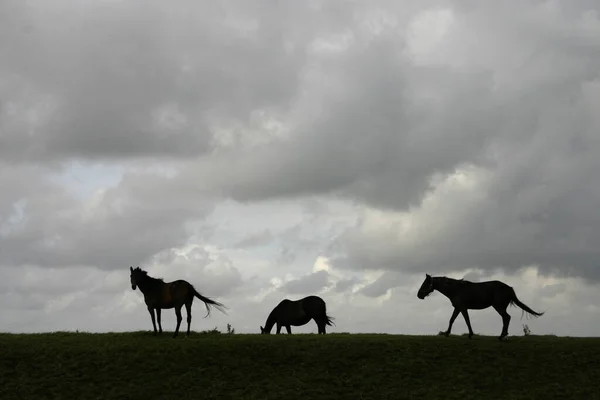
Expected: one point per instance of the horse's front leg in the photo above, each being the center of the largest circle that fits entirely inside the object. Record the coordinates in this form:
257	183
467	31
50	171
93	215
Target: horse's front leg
151	311
288	329
158	320
452	318
278	328
465	315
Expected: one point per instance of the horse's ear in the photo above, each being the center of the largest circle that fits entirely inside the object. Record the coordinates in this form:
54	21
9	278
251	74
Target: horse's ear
131	268
427	276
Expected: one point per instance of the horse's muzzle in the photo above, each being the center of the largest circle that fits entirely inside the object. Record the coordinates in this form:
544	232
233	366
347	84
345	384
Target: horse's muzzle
132	287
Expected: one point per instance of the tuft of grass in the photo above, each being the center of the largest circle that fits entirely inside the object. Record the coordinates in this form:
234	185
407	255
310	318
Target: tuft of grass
138	365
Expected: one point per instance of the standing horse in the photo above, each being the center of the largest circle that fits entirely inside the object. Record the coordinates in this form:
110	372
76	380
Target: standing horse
298	313
465	295
165	295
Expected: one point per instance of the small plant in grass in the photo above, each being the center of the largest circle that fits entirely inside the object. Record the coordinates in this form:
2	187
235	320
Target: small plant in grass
230	329
526	330
213	331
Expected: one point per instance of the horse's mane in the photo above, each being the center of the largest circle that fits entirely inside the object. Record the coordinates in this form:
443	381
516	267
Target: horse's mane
455	281
146	276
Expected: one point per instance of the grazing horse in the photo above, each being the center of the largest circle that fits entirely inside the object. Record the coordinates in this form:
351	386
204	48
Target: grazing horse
159	294
298	313
465	295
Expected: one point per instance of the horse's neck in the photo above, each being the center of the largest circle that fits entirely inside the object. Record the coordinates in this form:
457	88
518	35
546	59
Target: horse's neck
271	320
149	285
445	287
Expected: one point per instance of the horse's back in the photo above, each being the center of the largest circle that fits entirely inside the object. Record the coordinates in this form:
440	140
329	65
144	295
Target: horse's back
497	284
284	303
312	299
302	310
305	300
487	284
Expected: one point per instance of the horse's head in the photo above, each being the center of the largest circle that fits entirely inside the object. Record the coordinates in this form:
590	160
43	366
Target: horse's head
135	276
263	331
426	288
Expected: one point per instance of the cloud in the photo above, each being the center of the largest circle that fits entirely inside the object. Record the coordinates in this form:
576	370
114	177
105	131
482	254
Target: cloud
44	224
308	284
139	78
345	284
212	274
388	132
257	239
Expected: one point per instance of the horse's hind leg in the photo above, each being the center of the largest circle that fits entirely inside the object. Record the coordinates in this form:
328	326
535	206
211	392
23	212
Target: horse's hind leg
505	321
288	329
321	327
179	318
188	308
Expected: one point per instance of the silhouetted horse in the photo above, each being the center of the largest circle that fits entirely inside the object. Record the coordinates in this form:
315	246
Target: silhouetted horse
466	295
160	295
298	313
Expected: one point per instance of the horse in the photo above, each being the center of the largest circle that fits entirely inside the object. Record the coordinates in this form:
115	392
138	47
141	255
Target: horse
298	313
466	295
159	295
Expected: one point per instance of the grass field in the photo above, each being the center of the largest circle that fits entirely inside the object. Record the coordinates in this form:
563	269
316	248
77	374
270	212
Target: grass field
335	366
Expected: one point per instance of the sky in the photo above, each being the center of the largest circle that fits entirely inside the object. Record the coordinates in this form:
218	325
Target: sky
265	150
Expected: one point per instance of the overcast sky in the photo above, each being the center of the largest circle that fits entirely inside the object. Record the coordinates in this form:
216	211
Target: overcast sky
265	150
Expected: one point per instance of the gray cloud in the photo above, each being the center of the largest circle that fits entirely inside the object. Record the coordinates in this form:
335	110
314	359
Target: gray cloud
344	284
308	284
211	275
140	78
553	290
261	238
386	128
43	224
380	286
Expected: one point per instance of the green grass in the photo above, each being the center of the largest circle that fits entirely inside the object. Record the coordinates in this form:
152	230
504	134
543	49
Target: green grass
335	366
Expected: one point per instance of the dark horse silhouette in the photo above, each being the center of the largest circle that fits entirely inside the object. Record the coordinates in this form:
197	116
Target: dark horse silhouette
466	295
298	313
159	294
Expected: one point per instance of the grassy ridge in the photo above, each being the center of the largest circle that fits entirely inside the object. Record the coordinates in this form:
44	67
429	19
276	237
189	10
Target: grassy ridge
335	366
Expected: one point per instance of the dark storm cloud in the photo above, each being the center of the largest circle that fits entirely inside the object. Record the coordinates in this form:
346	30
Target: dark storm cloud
141	78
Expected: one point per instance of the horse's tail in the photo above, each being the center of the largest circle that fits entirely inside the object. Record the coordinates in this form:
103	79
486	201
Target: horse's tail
329	320
210	302
524	307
